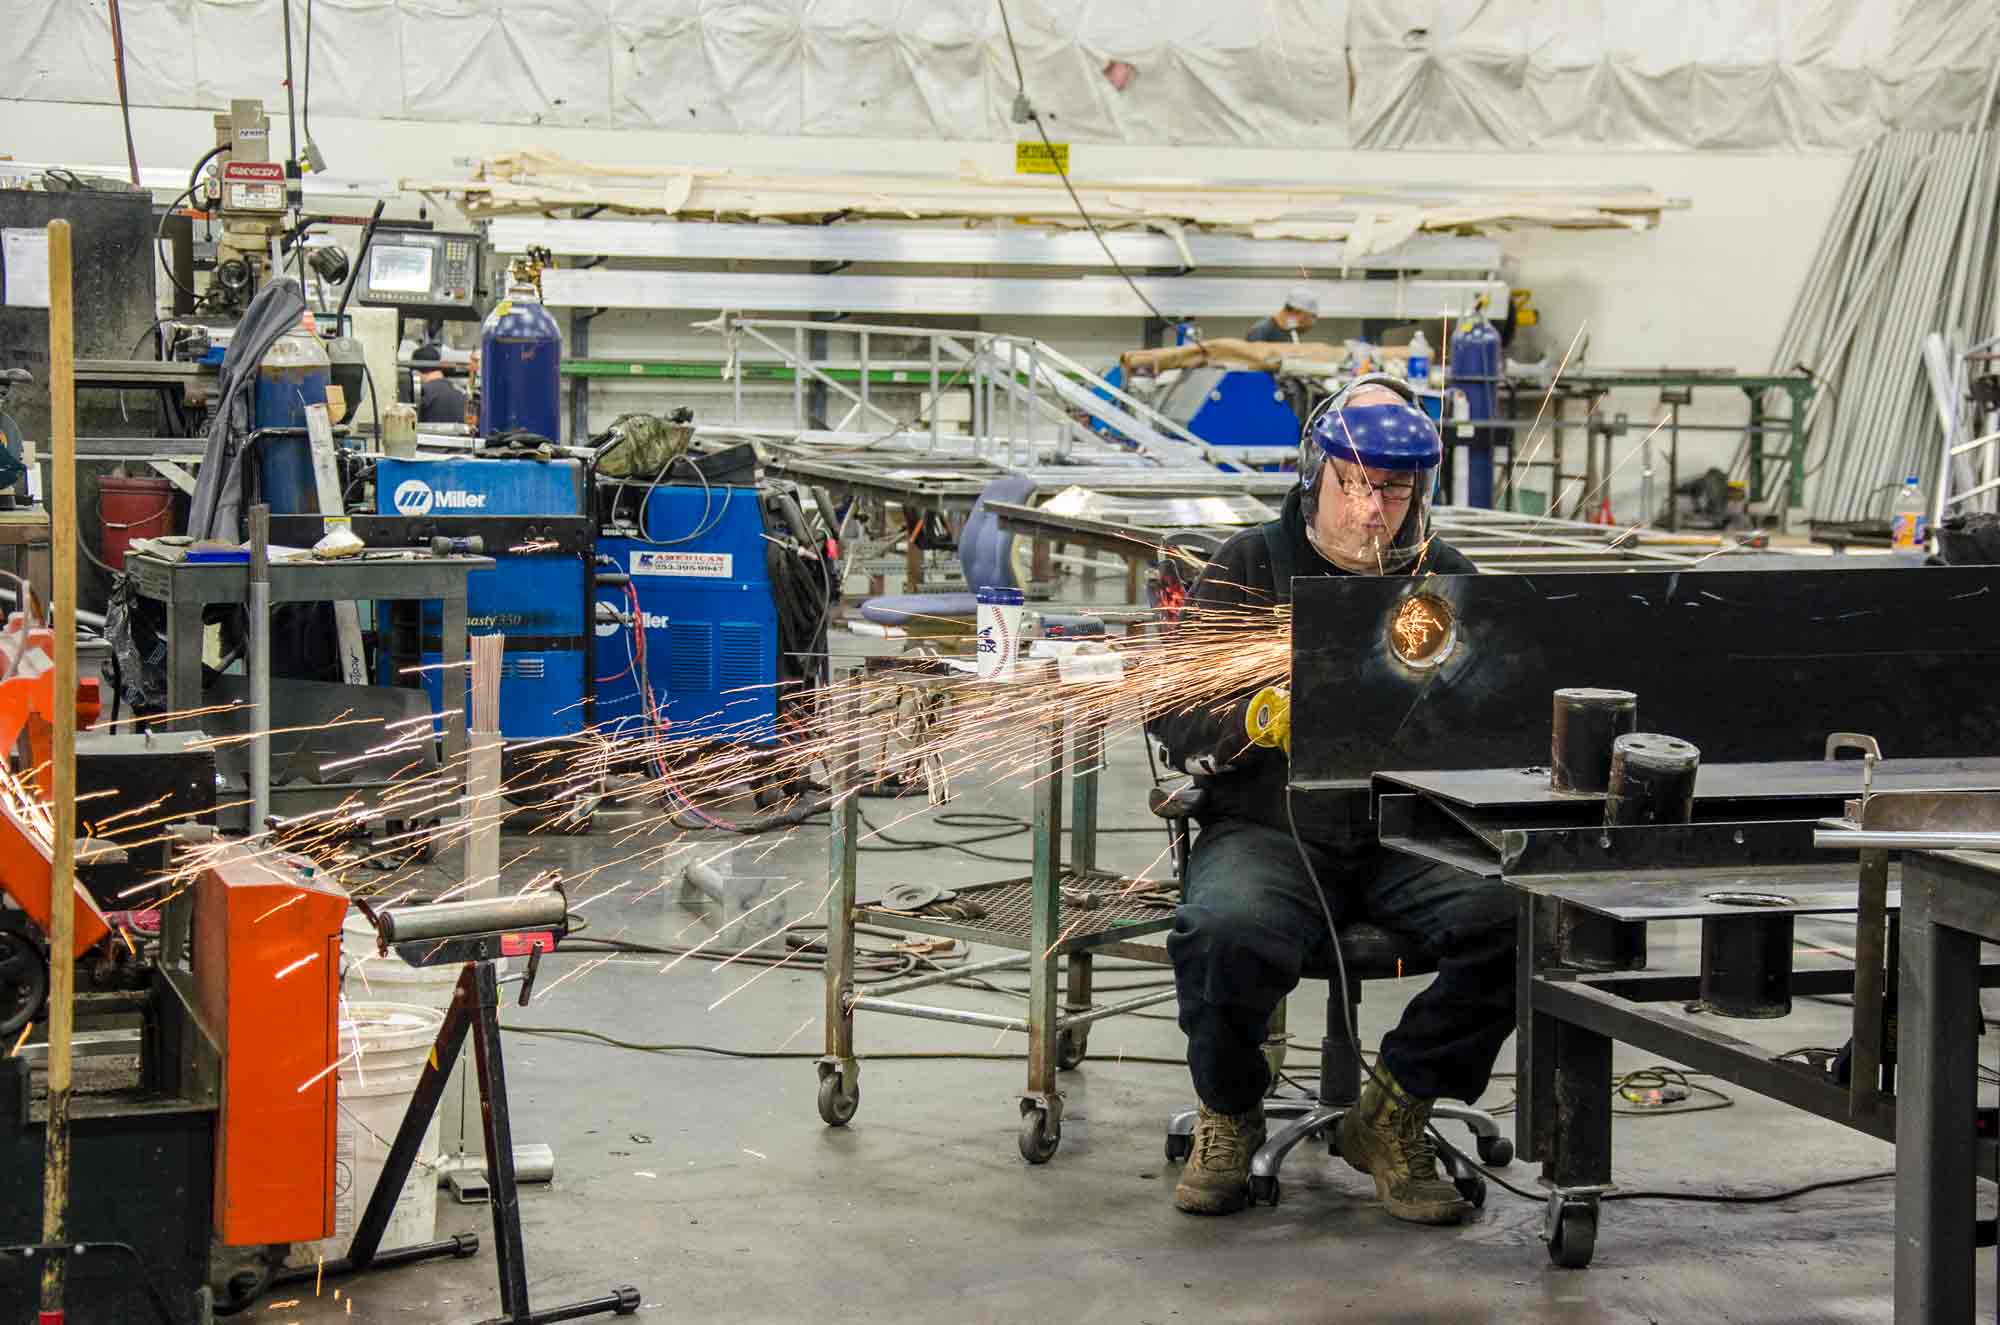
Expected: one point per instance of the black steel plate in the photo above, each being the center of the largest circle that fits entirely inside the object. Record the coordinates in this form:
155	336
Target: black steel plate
1781	780
1758	665
1686	894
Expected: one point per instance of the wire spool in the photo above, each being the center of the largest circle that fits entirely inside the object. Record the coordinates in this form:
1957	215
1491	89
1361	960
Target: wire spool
1585	723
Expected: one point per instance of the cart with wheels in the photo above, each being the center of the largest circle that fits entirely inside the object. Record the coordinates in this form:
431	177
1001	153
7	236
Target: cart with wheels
1063	914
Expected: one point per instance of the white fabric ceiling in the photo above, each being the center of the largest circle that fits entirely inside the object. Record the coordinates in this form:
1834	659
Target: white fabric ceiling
1514	74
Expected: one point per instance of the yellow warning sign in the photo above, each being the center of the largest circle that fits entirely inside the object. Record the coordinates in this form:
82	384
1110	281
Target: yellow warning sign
1041	158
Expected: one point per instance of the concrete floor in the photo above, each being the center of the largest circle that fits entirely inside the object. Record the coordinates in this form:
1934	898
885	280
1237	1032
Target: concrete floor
711	1184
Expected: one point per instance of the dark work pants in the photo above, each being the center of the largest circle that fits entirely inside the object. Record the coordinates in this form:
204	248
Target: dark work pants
1249	923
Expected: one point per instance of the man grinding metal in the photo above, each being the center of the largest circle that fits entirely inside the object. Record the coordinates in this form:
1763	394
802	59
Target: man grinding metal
1260	901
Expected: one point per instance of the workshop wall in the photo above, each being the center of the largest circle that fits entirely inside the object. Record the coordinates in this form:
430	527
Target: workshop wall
1710	287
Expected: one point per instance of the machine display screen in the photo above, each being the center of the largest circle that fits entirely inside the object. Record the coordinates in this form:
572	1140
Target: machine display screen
400	268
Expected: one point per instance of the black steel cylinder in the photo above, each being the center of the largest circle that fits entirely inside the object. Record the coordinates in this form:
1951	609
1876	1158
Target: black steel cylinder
1589	941
1746	965
1652	780
1585	724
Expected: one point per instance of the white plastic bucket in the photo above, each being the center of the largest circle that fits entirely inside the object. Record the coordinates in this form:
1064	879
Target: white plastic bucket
395	1041
372	978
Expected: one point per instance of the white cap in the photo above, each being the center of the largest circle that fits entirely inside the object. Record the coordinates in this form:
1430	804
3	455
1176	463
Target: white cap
1303	299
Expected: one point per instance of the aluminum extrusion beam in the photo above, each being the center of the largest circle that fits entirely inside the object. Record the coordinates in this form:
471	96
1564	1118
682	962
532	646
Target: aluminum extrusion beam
1089	296
725	241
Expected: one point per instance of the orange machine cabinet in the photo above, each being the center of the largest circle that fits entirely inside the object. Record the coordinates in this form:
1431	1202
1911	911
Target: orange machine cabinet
267	979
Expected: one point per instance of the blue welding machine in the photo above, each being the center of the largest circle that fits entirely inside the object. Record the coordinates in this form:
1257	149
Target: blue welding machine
537	600
707	618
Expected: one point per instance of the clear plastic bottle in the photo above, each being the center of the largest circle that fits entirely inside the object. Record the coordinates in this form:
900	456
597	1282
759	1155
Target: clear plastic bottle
1419	370
1909	522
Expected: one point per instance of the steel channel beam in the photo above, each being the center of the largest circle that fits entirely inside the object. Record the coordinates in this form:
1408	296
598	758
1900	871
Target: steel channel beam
1738	1062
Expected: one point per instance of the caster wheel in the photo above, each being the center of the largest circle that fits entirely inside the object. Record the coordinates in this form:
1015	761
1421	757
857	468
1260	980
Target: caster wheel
1575	1237
837	1106
1263	1191
1495	1150
1178	1147
24	980
1038	1139
1472	1189
1071	1046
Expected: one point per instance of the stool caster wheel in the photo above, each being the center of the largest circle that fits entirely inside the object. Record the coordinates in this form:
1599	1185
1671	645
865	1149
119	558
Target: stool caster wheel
837	1104
1039	1137
1473	1189
1573	1238
1263	1190
1071	1046
1178	1147
1497	1151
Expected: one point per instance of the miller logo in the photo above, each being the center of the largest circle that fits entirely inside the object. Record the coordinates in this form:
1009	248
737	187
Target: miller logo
416	497
609	626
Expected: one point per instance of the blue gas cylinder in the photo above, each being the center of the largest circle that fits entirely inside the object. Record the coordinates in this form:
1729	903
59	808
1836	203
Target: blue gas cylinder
1475	369
294	373
1475	365
520	350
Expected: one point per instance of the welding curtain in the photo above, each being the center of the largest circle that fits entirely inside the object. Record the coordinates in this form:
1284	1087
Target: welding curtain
1518	75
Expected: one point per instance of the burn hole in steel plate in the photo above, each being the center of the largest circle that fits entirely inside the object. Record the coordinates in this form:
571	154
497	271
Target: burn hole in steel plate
1423	631
1748	899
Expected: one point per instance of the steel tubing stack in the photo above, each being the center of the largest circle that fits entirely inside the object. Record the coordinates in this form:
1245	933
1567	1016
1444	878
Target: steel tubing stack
1910	250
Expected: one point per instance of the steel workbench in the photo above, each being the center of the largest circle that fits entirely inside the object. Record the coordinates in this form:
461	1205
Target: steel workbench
1063	914
186	588
1951	904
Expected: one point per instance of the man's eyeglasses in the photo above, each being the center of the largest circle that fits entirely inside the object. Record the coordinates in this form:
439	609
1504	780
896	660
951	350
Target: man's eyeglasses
1394	490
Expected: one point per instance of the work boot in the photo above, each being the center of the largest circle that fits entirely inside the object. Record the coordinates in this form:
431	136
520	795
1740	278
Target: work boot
1387	1136
1216	1179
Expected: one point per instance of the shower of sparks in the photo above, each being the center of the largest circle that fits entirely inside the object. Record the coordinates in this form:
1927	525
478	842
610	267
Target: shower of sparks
856	732
1415	626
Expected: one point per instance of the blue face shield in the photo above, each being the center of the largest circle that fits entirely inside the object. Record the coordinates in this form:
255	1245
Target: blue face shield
1369	464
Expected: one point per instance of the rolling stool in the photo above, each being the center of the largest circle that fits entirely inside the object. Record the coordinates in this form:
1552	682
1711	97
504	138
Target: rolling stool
1371	953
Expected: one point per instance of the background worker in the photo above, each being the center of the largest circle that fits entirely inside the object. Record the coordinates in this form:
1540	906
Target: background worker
438	401
1291	322
1253	914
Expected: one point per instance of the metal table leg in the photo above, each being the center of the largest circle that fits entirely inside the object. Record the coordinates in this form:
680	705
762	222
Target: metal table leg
453	653
1534	1041
839	1073
1041	1103
183	658
1935	1104
1577	1167
1086	767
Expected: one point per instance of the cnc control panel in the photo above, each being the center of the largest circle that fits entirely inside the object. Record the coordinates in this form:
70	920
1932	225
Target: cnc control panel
428	273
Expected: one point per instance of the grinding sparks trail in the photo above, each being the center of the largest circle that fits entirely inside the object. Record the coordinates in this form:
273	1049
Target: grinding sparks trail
903	728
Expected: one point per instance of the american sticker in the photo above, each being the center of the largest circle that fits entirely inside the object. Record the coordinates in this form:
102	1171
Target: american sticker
698	565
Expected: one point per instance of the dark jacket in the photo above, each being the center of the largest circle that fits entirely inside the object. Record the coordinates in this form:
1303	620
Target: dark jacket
1247	781
1268	331
441	402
